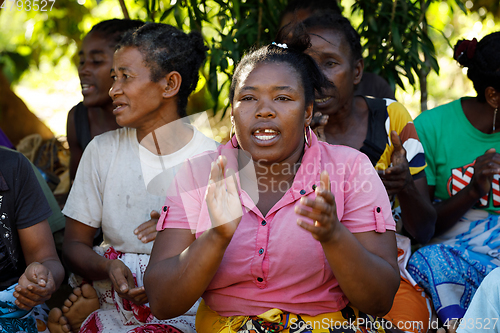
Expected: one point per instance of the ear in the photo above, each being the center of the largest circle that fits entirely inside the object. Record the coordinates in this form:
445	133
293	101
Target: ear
492	97
308	114
359	66
171	84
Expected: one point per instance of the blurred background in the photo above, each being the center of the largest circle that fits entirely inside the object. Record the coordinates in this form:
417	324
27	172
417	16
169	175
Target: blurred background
408	42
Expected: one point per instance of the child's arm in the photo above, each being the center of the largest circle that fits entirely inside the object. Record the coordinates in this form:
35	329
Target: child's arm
44	273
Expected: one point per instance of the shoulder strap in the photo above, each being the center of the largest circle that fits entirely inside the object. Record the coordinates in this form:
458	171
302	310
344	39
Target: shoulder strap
82	125
376	137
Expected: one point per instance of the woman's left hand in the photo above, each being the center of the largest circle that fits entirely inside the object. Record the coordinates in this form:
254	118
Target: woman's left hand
322	210
398	176
35	286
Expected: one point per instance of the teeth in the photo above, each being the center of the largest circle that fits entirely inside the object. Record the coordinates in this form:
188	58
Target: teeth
322	100
267	130
85	86
265	137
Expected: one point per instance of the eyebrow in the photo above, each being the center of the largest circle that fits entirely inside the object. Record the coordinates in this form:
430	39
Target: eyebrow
278	88
120	69
91	52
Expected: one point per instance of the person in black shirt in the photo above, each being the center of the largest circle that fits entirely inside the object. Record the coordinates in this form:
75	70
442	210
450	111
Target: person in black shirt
30	270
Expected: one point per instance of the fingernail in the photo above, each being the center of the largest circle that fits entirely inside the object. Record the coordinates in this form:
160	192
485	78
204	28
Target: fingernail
143	239
136	231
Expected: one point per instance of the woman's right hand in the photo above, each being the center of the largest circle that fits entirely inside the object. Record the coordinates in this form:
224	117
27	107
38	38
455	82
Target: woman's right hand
318	124
485	168
223	200
124	284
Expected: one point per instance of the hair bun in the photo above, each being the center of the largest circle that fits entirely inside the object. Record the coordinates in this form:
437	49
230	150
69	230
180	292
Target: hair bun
464	51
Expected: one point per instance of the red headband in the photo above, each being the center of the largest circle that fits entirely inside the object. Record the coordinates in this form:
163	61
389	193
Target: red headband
468	47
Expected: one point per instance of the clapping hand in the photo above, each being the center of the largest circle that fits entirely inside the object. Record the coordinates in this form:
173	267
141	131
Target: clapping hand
322	210
396	177
223	200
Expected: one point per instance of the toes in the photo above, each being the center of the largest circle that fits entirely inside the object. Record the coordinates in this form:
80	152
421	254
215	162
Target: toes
67	304
77	291
88	291
54	315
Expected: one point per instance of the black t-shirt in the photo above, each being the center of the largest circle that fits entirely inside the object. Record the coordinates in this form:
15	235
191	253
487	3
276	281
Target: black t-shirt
22	205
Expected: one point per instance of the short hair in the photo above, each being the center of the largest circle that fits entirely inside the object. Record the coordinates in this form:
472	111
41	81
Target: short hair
338	23
114	29
312	6
483	62
311	77
165	49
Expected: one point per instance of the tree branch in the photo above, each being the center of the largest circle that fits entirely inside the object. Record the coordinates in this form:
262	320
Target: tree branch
124	9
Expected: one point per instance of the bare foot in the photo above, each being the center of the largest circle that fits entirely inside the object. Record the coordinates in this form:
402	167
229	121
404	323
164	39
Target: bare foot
57	323
77	307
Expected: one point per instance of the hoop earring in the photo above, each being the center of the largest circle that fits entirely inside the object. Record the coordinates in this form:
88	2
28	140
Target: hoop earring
305	135
494	119
231	136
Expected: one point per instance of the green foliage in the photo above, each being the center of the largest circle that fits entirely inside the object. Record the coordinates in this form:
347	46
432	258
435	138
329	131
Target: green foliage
229	28
395	39
28	37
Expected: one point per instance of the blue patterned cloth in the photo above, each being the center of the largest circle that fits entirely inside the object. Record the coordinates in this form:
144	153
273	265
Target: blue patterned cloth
451	271
13	319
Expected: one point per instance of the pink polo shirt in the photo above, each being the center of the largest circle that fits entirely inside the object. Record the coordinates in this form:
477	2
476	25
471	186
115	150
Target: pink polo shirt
271	262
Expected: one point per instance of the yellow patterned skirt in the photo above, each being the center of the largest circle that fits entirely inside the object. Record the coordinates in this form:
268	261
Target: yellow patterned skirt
347	320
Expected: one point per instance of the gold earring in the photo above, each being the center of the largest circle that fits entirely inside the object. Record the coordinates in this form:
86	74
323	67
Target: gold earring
231	136
305	135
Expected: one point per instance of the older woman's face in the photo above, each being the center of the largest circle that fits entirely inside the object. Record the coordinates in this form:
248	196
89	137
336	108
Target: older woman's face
270	113
333	56
136	98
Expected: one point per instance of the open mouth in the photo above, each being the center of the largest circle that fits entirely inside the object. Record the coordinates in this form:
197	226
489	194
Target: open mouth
118	107
87	88
266	134
322	100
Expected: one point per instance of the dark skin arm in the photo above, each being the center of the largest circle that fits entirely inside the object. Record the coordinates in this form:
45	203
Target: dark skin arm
418	214
180	267
74	147
449	211
44	273
367	272
82	260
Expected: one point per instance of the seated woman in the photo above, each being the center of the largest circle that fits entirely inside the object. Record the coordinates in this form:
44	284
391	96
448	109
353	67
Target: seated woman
463	174
30	270
94	115
258	262
384	131
155	68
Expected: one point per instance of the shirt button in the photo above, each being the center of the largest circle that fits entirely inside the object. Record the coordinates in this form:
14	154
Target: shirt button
314	187
302	192
165	208
261	251
378	209
260	279
263	223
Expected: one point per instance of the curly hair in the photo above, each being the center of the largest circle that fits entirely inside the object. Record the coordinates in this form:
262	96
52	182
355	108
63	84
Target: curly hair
292	54
165	49
483	62
114	29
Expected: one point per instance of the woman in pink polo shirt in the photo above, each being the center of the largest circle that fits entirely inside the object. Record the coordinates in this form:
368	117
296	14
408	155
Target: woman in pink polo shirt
275	230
